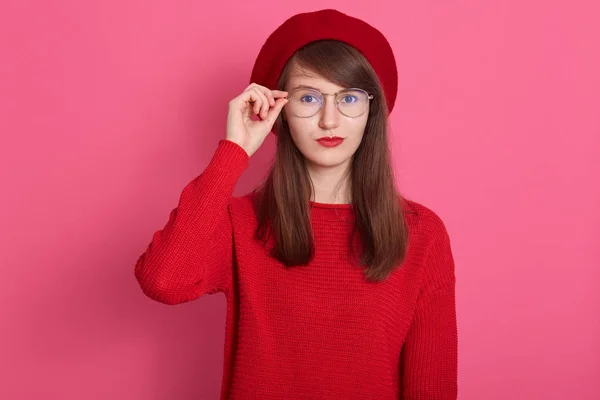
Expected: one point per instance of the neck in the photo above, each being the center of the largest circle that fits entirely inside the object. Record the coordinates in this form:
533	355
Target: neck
331	184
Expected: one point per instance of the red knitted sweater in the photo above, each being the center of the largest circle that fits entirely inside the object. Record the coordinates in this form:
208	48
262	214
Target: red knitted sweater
319	331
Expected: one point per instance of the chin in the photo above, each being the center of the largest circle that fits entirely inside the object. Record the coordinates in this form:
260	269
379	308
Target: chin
327	161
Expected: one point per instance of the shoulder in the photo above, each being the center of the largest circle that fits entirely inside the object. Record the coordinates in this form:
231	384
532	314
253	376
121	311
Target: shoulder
423	220
429	244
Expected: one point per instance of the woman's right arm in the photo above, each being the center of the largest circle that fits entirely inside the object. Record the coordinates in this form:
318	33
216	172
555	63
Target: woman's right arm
192	255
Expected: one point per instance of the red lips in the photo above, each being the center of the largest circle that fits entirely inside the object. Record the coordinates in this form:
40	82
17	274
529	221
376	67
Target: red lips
330	141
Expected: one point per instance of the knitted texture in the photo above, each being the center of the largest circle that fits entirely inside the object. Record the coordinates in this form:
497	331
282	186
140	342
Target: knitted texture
319	331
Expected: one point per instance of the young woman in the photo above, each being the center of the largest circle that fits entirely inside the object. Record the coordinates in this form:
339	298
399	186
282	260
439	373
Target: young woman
337	287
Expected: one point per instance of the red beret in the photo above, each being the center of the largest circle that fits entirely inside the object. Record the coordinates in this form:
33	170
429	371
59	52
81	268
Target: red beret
301	29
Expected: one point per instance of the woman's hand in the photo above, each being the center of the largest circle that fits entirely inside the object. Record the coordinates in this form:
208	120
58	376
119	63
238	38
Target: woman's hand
255	100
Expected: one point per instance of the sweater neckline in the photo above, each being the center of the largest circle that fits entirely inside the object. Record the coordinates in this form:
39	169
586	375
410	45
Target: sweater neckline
340	206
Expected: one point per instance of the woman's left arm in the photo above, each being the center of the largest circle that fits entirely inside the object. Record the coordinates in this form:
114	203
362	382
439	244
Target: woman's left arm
429	358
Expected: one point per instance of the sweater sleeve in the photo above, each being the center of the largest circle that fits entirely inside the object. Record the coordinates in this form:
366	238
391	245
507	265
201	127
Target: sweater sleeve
192	254
429	357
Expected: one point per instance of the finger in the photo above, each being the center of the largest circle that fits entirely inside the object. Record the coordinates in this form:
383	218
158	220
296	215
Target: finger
244	102
269	95
264	109
274	112
279	93
257	100
248	102
274	92
255	97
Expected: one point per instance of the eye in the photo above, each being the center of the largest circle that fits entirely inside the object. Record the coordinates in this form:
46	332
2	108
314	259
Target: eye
309	98
349	99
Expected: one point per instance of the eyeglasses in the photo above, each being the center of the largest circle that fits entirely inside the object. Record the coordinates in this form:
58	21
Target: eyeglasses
307	102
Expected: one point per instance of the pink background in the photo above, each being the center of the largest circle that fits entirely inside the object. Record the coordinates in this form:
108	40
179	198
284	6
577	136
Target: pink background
110	107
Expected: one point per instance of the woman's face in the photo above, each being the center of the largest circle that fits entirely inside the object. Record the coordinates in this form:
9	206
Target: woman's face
328	122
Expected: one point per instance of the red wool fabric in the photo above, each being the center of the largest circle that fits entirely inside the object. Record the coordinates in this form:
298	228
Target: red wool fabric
319	331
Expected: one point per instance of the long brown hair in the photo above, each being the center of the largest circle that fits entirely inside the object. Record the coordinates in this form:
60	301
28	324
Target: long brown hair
282	201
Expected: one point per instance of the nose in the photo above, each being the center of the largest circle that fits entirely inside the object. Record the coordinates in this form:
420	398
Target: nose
330	116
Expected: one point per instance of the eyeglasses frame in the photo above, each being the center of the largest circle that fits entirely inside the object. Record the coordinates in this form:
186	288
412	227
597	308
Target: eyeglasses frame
369	97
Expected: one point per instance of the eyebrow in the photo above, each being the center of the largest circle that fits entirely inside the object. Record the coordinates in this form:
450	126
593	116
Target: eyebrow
305	87
314	88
